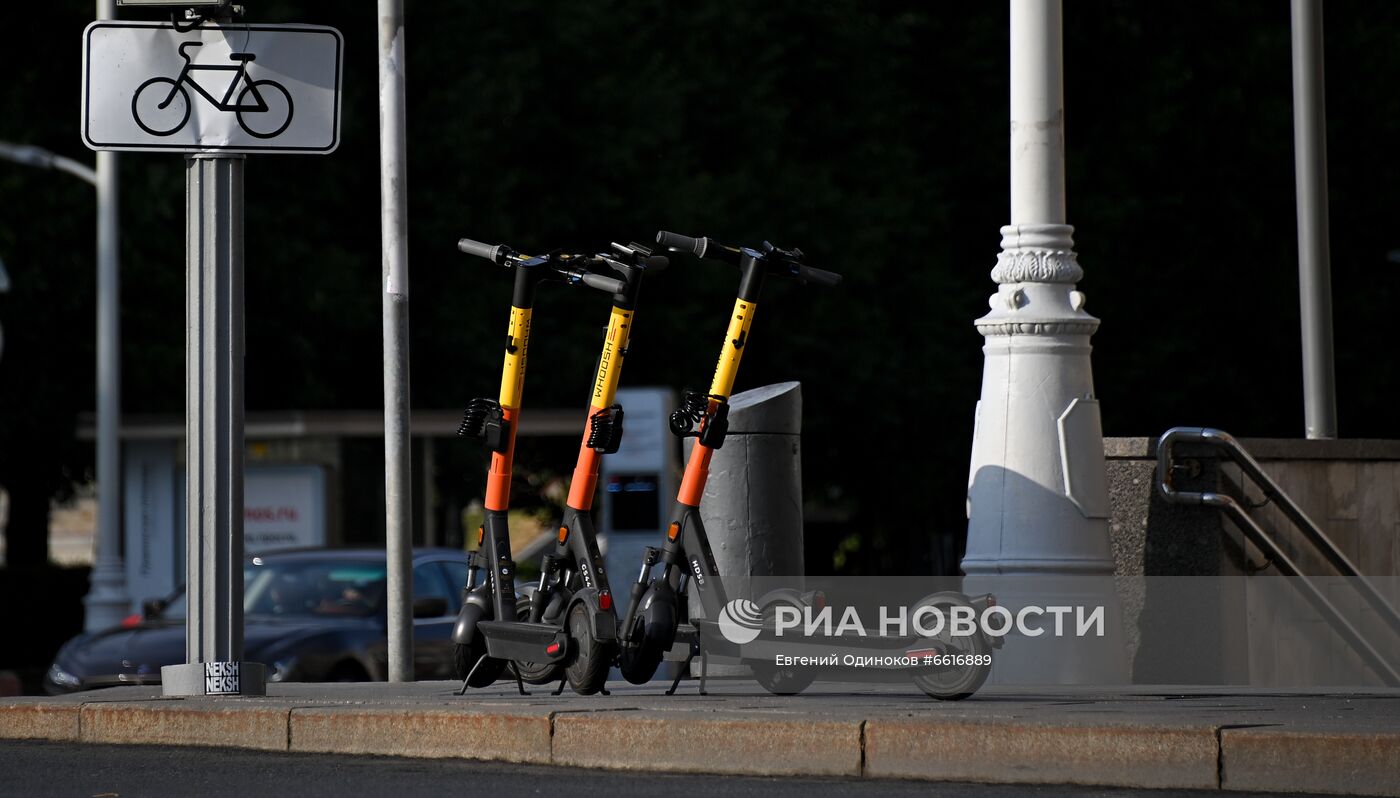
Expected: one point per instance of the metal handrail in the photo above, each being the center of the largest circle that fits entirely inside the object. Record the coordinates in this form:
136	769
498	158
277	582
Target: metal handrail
1261	538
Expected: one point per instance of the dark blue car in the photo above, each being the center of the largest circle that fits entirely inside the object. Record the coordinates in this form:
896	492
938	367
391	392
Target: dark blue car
309	616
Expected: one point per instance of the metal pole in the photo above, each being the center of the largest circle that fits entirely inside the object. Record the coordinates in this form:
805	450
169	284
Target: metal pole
214	412
393	203
1314	264
214	407
214	433
107	602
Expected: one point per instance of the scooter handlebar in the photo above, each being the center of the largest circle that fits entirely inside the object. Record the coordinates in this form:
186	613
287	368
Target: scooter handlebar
811	274
607	284
699	247
710	248
488	251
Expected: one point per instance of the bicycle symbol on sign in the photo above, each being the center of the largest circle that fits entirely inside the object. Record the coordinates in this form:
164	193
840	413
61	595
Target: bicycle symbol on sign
161	106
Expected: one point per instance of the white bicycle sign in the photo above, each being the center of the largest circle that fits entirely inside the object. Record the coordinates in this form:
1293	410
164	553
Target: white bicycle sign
240	87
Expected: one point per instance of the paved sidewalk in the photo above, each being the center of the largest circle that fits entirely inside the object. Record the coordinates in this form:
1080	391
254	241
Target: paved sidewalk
1211	738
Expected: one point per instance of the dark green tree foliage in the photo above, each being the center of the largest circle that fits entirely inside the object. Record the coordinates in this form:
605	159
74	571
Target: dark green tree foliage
871	135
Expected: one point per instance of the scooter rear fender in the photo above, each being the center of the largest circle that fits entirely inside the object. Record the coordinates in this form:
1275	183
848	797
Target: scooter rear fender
603	622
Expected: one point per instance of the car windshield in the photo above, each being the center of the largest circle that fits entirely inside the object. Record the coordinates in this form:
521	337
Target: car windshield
302	588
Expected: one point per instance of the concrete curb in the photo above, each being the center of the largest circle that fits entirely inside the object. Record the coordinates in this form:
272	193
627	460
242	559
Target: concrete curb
1351	746
60	723
1121	756
203	723
429	734
691	742
1335	760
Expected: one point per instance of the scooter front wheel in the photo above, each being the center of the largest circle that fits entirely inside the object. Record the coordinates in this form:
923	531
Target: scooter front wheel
589	659
465	657
639	661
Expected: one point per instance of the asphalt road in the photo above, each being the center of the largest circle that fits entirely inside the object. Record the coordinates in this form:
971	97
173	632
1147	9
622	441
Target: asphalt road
112	771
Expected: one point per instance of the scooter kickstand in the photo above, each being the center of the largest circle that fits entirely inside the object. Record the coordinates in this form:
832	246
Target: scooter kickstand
704	670
680	672
684	669
519	683
470	674
560	691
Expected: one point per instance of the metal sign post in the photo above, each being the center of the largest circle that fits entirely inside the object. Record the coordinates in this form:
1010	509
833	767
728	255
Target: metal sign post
214	91
214	435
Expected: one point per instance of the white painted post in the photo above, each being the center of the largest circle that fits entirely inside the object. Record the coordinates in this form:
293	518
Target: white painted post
1038	492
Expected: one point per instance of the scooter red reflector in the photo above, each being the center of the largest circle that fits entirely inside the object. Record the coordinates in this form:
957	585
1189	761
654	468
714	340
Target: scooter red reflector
131	621
553	649
605	601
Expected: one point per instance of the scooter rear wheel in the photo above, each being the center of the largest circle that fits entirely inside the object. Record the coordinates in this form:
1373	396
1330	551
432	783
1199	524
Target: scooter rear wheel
464	657
955	682
589	660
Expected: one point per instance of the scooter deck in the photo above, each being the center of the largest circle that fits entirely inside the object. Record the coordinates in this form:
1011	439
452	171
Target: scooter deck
524	642
763	649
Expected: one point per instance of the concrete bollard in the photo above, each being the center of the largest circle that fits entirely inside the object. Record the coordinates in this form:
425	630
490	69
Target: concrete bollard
752	507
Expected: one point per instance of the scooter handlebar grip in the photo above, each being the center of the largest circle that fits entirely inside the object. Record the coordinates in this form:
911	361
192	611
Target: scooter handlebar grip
487	251
598	281
680	243
811	274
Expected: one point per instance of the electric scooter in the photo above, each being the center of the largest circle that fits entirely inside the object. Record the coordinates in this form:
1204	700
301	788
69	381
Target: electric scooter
657	607
573	597
573	591
657	617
